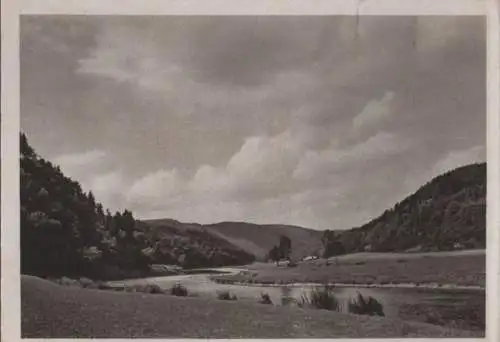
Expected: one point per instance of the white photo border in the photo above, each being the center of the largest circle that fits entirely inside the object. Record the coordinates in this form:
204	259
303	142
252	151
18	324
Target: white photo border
12	9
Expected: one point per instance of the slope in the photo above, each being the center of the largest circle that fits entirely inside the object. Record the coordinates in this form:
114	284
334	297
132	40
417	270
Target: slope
253	238
447	213
66	232
259	239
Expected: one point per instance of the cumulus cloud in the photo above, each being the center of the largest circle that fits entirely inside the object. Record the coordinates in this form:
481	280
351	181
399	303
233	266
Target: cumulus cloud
302	120
316	164
458	158
81	165
375	111
79	159
153	188
108	188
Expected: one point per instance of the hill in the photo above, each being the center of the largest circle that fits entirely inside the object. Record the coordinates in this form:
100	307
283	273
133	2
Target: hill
190	245
256	239
65	231
447	213
259	239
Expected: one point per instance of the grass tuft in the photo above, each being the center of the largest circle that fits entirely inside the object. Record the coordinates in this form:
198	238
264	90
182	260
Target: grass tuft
226	295
179	290
365	306
321	298
265	299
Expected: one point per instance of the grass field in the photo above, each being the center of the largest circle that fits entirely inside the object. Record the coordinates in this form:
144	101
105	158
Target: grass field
53	311
375	268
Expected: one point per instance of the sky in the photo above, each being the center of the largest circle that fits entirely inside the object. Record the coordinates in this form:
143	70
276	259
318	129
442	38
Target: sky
322	122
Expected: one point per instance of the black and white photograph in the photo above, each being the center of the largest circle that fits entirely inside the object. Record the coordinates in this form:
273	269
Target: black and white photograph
208	177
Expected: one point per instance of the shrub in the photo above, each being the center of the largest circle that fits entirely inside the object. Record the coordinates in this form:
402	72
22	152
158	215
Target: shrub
226	295
179	290
153	288
86	282
68	282
286	301
130	289
98	285
322	298
286	297
103	286
265	299
361	306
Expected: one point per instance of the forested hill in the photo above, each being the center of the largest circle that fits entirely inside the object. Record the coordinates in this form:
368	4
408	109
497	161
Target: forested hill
256	239
447	213
65	231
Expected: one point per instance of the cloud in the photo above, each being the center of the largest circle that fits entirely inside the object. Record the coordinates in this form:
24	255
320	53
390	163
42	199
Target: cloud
318	164
374	112
155	188
459	158
321	127
445	162
79	159
108	188
280	171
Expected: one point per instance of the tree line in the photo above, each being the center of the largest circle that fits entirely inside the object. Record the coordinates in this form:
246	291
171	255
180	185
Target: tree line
66	232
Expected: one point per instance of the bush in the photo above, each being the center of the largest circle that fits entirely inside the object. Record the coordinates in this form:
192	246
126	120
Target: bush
265	299
179	290
103	286
131	289
86	282
98	285
289	301
153	289
226	295
361	306
322	298
68	282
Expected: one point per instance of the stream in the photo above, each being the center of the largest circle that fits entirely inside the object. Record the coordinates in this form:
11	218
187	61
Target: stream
456	308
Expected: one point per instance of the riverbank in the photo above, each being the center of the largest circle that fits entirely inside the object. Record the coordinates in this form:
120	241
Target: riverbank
53	311
434	286
446	270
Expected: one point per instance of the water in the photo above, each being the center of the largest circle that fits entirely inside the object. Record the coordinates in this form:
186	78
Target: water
453	308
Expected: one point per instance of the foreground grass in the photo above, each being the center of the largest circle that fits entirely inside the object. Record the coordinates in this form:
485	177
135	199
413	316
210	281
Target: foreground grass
53	311
448	269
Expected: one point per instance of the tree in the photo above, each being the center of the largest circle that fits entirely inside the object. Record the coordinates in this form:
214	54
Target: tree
274	254
285	247
26	150
332	244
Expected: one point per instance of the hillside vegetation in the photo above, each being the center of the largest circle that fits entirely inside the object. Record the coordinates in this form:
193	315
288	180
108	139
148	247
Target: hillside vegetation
447	213
256	239
65	231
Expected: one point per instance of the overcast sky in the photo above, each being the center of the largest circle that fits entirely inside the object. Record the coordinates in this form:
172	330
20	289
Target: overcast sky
322	122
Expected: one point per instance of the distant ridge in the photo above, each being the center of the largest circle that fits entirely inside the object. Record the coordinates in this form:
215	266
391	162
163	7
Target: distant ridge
447	213
256	239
